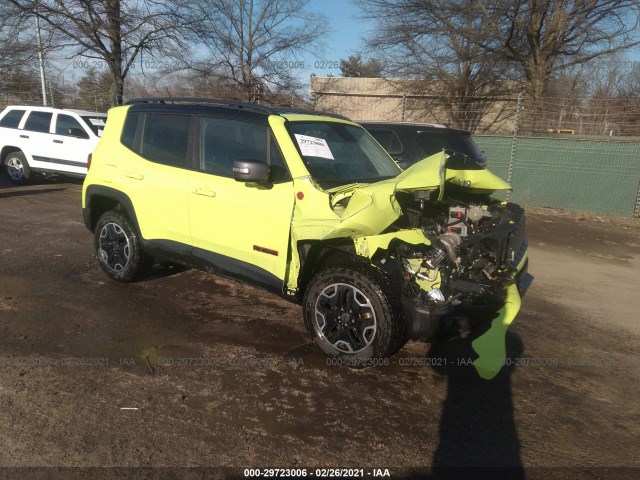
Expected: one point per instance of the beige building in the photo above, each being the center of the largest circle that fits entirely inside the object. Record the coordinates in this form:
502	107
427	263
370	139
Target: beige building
389	99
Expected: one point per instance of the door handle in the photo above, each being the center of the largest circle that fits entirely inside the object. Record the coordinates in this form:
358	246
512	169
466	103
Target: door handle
204	192
24	136
58	141
134	175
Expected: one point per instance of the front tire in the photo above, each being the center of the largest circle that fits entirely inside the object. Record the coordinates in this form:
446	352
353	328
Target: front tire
118	248
17	168
353	313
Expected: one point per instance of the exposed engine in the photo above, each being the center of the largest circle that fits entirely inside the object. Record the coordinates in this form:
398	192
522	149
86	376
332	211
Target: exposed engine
475	248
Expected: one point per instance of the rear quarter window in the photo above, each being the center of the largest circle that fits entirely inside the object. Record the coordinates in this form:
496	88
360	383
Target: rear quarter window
165	138
12	119
129	130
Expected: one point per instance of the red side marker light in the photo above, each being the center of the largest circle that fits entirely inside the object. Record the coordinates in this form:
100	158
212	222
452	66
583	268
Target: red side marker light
300	195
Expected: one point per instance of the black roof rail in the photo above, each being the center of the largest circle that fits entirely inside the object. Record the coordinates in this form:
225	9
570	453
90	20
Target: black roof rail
209	101
235	104
285	110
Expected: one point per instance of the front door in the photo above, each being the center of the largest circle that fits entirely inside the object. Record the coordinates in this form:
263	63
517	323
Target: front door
71	145
241	228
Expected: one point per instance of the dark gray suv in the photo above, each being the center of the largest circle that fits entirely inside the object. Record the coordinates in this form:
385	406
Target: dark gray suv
408	143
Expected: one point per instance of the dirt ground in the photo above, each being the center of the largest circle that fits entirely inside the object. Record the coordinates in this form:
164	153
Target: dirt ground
186	369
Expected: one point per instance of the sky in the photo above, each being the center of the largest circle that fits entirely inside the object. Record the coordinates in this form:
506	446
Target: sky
347	33
346	37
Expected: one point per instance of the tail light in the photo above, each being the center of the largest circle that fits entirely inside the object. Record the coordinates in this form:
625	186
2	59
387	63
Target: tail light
89	161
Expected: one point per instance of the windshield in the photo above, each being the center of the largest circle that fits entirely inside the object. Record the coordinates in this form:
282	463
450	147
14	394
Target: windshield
338	154
95	123
434	142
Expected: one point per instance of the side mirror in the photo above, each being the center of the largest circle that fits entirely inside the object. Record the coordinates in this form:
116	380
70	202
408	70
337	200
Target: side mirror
251	171
77	132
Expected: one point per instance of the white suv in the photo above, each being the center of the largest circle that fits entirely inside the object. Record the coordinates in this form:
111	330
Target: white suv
47	140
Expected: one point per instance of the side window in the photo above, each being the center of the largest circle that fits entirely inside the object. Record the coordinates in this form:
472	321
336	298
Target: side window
12	119
388	139
38	122
129	130
224	141
67	125
165	139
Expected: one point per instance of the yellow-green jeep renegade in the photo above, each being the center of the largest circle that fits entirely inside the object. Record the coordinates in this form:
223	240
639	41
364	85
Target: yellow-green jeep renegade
311	207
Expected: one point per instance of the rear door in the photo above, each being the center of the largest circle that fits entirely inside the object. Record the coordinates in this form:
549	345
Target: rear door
157	178
36	139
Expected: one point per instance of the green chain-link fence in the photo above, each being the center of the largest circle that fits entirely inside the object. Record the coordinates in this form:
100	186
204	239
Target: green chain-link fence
575	153
589	175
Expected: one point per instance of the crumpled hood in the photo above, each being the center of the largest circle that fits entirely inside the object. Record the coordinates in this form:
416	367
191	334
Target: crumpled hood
425	174
374	207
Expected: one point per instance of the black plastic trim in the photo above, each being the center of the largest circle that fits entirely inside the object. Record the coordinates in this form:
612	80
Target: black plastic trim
70	163
110	193
60	172
236	269
206	101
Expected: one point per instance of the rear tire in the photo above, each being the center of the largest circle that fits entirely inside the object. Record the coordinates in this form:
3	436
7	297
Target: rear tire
118	248
353	313
17	168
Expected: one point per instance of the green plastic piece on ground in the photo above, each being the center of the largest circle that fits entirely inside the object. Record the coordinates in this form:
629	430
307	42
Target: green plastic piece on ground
491	346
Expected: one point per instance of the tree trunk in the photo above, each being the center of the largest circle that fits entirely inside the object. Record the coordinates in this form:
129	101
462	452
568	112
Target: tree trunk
118	89
113	10
538	73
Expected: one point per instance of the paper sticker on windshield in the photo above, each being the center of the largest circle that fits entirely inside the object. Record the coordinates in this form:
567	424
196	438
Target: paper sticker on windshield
98	122
314	147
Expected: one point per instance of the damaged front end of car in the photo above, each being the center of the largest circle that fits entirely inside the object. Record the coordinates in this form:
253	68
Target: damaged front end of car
453	251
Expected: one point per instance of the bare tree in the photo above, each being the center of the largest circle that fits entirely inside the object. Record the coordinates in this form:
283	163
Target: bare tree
16	45
253	42
436	43
18	56
544	36
117	32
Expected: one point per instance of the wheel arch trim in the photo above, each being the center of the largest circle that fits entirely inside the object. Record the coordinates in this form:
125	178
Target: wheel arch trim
96	192
319	255
8	149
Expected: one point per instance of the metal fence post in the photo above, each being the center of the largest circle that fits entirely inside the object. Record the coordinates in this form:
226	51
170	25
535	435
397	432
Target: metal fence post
512	157
636	210
50	93
404	106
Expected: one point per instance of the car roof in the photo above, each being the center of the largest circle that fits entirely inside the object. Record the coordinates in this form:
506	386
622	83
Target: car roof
203	105
408	124
87	113
43	108
414	125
